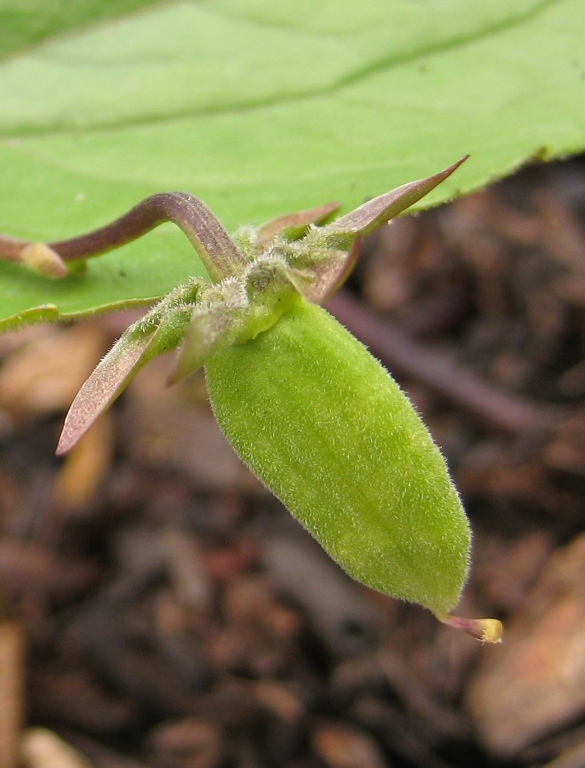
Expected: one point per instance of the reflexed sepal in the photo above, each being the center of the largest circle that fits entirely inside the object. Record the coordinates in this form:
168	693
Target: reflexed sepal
159	331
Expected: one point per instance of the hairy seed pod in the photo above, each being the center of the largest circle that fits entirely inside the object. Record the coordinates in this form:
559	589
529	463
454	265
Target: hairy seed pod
302	402
330	433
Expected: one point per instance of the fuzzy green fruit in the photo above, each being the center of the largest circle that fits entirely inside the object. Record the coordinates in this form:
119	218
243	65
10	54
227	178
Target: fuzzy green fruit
330	433
302	402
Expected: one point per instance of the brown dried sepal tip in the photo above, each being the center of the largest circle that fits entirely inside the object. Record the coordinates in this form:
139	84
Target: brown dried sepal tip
484	630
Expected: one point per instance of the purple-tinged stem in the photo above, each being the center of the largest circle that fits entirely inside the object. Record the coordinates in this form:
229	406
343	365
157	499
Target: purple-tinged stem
211	241
406	356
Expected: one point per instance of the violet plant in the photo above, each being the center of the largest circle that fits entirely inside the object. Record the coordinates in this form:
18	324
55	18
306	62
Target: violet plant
301	401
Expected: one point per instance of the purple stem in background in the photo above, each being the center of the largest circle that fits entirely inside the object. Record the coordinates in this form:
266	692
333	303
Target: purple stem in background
407	357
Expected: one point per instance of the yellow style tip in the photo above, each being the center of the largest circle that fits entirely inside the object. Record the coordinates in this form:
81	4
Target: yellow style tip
484	630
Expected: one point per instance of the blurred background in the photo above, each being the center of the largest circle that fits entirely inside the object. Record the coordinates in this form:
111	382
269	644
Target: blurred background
159	609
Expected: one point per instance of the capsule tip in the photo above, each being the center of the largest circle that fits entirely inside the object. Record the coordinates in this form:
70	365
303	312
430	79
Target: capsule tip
484	630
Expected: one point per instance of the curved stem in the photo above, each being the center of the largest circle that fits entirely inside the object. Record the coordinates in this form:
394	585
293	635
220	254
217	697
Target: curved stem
11	248
211	241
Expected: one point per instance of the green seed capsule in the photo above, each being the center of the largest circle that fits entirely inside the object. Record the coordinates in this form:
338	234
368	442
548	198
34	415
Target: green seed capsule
303	403
330	433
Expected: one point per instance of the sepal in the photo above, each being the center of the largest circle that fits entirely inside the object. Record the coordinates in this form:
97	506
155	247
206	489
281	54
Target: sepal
159	331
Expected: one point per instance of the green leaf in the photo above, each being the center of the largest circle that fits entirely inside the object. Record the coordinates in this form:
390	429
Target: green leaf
261	109
24	22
